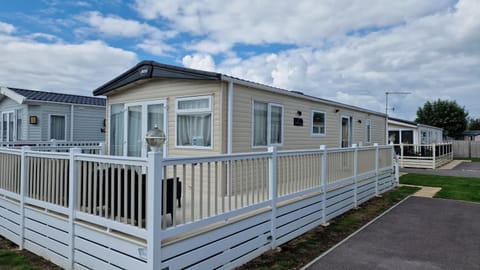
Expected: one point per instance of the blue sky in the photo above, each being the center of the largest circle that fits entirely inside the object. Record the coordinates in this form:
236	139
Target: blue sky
348	51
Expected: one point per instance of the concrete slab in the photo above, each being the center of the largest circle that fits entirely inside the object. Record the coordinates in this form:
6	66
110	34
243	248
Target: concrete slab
452	164
420	233
427	192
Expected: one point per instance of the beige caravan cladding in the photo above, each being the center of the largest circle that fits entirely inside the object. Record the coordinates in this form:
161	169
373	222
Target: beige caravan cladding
169	90
300	137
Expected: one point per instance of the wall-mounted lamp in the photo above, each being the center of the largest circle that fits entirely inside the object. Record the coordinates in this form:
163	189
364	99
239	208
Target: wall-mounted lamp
33	120
337	110
299	113
359	121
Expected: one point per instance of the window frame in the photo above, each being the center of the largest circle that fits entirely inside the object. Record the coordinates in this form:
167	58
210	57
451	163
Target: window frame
368	130
50	126
144	110
324	124
194	112
269	124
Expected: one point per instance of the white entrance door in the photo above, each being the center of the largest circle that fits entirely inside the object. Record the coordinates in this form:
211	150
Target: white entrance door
346	131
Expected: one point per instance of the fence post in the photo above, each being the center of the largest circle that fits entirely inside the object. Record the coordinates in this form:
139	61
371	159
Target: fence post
273	194
103	150
376	167
72	200
154	210
433	156
23	191
324	184
355	166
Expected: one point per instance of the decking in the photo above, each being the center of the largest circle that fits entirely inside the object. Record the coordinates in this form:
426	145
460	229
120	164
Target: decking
85	211
428	156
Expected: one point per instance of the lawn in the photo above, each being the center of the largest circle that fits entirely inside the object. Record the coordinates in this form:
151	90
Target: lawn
14	259
456	188
473	159
302	250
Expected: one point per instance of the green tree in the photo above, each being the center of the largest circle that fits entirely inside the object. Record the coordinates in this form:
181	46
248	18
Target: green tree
474	124
445	114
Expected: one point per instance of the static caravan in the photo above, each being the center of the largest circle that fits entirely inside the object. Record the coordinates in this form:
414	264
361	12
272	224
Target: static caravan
409	132
211	113
29	115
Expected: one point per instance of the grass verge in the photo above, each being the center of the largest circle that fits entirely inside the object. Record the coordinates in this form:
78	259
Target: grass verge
300	251
473	159
456	188
13	259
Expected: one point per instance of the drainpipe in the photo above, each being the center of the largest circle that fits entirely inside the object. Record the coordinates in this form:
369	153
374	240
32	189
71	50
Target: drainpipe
71	121
230	116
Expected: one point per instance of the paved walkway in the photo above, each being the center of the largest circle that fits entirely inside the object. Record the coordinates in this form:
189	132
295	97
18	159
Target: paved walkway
464	169
420	233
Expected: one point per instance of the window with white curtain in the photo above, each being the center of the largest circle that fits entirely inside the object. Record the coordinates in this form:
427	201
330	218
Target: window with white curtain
57	127
116	129
318	123
194	122
368	128
267	124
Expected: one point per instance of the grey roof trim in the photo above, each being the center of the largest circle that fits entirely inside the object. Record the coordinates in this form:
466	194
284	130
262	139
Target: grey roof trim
403	121
151	69
29	96
471	133
407	122
296	94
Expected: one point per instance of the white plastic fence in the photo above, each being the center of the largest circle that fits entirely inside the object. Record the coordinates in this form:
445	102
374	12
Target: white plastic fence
101	212
429	156
88	147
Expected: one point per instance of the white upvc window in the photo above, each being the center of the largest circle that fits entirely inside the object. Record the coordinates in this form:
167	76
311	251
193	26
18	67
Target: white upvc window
368	131
194	122
267	124
57	127
129	124
8	128
318	123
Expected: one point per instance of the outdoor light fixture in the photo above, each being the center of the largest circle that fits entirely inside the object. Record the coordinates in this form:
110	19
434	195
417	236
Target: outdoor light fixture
155	138
359	121
33	120
337	110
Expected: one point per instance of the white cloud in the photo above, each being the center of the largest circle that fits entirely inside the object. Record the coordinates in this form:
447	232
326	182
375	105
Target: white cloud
153	39
6	28
435	56
199	61
307	22
59	67
116	26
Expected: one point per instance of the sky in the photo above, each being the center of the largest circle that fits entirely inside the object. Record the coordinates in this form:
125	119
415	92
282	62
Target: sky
348	51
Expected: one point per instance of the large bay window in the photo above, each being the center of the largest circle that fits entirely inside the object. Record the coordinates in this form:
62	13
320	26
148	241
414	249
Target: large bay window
267	124
318	123
194	122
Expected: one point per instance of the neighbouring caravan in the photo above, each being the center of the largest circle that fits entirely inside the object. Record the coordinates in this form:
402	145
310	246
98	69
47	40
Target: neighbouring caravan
409	132
30	115
211	113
